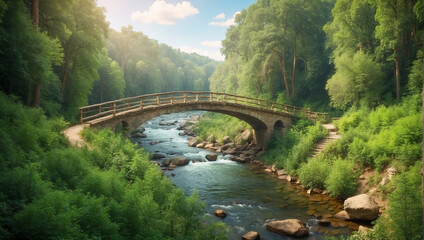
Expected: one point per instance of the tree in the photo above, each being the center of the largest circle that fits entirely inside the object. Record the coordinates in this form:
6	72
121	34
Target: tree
397	32
352	28
357	79
26	66
111	83
277	45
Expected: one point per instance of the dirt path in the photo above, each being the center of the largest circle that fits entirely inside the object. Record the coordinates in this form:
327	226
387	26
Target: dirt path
332	136
74	137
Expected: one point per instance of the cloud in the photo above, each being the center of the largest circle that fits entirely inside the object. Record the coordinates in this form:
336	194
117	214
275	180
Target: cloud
212	43
224	23
214	55
165	13
220	16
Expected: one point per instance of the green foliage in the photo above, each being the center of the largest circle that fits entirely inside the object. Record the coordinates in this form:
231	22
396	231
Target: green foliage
111	84
150	67
28	56
378	138
352	27
300	152
213	124
357	79
276	46
294	148
314	173
404	215
341	181
416	76
279	147
110	191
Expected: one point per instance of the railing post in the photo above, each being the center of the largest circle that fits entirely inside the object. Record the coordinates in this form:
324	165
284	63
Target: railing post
197	97
128	103
81	121
185	97
211	97
158	100
141	103
100	108
114	109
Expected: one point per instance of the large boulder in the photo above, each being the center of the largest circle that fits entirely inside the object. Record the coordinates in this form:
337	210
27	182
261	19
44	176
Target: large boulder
211	157
291	227
361	207
251	236
180	161
177	161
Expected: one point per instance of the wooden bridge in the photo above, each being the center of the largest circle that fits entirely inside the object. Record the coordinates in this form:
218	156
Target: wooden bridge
264	116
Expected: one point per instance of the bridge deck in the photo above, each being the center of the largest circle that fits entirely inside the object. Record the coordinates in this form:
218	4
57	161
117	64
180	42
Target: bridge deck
107	110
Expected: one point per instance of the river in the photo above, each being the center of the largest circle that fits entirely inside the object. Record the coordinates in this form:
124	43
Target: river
250	196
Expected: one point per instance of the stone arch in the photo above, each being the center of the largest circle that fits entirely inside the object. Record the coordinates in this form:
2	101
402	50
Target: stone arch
262	121
278	125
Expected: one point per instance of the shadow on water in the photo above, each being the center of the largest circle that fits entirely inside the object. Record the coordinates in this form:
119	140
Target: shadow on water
250	196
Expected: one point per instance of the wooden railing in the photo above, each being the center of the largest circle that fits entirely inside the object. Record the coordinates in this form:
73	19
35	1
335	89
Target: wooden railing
112	108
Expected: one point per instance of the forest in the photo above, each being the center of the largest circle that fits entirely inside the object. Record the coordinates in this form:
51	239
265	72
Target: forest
74	59
362	61
343	53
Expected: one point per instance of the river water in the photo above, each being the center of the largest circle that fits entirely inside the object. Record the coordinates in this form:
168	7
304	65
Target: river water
250	196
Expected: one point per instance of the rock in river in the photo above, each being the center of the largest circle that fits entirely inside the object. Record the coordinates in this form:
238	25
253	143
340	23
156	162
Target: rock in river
251	236
220	213
361	207
211	157
177	161
157	156
291	227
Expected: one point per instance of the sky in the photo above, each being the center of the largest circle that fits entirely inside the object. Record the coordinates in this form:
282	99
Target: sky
189	25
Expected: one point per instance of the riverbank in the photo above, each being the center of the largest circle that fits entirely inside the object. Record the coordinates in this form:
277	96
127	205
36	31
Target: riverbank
248	152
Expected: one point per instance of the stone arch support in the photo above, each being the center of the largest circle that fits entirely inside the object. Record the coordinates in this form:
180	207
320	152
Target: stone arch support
263	121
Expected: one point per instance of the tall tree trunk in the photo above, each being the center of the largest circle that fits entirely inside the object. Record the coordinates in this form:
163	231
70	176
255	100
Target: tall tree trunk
283	68
294	65
37	93
66	68
34	12
397	73
37	87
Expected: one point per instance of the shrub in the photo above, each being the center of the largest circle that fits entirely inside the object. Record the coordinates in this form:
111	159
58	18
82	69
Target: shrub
213	124
404	214
350	120
300	152
313	174
342	179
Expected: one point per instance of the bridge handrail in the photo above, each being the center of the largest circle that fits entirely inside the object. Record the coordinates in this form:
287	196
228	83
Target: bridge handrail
139	102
